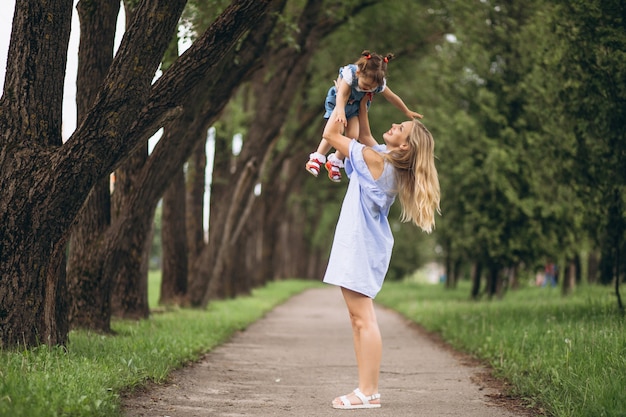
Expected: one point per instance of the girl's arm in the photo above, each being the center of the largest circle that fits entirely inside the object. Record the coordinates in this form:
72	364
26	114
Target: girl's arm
394	99
332	133
343	93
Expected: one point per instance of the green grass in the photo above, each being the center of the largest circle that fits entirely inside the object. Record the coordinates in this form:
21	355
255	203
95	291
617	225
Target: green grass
87	377
565	354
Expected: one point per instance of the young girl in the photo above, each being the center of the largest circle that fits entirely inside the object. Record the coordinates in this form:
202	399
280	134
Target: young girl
365	77
361	250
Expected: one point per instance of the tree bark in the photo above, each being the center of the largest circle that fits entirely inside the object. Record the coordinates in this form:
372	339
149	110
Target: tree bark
145	183
129	298
477	270
195	189
89	293
174	238
32	277
277	85
569	277
282	177
222	189
45	183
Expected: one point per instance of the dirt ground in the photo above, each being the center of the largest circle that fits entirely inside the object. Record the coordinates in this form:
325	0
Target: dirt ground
299	357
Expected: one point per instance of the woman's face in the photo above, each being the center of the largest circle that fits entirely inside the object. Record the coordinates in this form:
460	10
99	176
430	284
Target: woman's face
398	135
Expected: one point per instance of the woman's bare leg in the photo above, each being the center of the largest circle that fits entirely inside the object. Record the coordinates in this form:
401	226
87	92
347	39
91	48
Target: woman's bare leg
367	343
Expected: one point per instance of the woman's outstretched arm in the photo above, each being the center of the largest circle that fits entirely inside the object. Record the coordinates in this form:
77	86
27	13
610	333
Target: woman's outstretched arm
333	134
365	134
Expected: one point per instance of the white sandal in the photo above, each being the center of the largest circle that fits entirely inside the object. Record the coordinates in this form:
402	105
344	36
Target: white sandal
365	401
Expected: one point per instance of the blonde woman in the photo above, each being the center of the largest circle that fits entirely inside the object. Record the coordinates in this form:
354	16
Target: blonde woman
405	167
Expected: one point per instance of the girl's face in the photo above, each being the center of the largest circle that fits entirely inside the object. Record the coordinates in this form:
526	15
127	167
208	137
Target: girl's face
398	136
367	85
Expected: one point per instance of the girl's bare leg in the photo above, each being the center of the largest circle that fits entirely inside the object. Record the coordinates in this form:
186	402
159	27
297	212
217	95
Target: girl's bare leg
367	343
324	147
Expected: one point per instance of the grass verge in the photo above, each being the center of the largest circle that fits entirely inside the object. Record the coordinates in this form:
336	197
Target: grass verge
86	377
565	354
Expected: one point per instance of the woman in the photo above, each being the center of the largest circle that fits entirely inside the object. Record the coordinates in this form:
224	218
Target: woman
359	259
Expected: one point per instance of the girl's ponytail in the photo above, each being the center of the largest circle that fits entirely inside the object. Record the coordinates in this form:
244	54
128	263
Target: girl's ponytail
374	66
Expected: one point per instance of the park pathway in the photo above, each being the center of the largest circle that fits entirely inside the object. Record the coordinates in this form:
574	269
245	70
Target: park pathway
299	357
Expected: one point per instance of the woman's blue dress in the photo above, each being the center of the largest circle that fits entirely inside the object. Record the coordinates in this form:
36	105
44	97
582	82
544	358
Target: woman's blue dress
361	251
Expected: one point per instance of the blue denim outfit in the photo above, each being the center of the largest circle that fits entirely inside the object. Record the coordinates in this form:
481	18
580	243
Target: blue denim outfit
348	73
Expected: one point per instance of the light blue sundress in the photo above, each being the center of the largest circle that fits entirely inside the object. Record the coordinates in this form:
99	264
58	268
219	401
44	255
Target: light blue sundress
361	251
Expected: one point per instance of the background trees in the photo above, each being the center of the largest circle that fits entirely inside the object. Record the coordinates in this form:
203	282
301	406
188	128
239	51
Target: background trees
525	100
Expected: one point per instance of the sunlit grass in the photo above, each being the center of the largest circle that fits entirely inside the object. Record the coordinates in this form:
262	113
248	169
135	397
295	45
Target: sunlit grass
566	353
87	377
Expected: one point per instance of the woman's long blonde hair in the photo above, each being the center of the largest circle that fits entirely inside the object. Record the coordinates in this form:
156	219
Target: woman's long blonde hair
417	179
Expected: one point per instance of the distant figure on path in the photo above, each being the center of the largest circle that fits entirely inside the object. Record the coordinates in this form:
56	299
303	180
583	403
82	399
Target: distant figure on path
361	251
550	274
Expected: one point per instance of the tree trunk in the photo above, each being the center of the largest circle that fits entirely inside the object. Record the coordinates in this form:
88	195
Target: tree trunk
33	305
245	271
294	248
45	184
513	278
195	188
448	264
569	277
221	189
199	269
493	277
458	266
277	85
618	279
174	240
141	182
593	268
89	292
477	270
286	248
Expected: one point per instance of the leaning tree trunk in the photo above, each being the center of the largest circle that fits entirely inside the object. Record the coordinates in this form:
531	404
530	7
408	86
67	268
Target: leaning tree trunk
129	298
195	189
125	240
282	176
199	268
286	66
236	68
44	186
89	293
241	281
174	243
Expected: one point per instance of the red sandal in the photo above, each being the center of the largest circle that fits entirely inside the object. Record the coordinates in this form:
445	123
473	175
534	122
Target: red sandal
316	160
